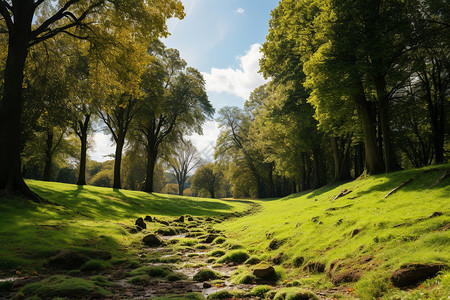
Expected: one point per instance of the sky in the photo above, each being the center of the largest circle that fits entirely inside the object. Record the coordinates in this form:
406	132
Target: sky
222	39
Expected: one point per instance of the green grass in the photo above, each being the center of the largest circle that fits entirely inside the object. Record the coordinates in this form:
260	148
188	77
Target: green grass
86	218
362	230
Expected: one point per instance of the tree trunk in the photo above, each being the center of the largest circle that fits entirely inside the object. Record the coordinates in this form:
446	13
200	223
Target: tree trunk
308	172
390	160
151	162
271	186
374	162
118	161
11	181
48	155
318	182
83	133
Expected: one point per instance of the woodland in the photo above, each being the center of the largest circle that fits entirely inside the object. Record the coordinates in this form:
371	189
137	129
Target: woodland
355	88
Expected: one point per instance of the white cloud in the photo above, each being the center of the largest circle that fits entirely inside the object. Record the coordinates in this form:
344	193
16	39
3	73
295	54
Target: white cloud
103	148
205	143
240	10
241	81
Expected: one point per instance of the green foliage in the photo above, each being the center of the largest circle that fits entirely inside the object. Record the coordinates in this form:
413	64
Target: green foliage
226	294
253	260
208	179
294	294
189	296
217	253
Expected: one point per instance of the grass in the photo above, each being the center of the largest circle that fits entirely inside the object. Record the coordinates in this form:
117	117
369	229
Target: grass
86	218
363	230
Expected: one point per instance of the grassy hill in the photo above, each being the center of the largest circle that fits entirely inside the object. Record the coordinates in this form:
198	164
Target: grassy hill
366	234
313	241
86	218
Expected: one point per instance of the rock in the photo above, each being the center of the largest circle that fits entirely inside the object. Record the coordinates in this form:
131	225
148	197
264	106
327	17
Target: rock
210	238
356	231
346	276
207	285
100	254
140	223
148	219
119	274
412	274
67	260
314	267
264	273
274	244
164	222
180	219
278	259
152	240
190	219
298	261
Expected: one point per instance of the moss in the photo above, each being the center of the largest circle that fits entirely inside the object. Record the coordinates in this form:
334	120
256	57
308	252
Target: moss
206	274
247	279
217	253
140	280
236	256
227	294
219	240
189	296
294	294
261	290
94	265
151	271
63	286
174	277
253	260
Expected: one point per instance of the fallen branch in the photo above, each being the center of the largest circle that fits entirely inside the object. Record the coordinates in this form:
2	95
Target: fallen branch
440	179
397	188
341	207
341	194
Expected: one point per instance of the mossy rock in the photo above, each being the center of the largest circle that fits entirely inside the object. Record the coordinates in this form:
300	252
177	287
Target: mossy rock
140	280
219	240
205	275
217	253
236	256
261	291
295	294
253	260
64	286
167	231
160	272
227	294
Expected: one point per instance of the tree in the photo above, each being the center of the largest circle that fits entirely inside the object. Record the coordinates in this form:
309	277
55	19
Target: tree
174	104
30	22
208	178
183	162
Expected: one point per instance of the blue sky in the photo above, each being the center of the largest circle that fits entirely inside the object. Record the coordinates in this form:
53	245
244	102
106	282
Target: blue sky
220	38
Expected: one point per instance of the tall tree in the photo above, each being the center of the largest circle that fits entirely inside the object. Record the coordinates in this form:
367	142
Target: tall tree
174	104
30	22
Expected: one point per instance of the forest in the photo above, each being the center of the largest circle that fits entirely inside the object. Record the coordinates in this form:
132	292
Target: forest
355	88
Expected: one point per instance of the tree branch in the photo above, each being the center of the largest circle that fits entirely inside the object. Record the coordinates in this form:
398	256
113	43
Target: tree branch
4	7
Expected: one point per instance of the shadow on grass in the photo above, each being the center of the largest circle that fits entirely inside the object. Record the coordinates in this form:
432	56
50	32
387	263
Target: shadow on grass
113	204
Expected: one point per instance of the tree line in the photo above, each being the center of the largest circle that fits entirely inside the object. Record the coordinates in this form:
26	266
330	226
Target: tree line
67	64
356	87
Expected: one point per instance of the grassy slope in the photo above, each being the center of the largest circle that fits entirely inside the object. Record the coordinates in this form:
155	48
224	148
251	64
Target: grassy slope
89	217
389	245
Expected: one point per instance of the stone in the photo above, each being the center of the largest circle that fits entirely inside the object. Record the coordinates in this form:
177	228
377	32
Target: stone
264	273
210	238
345	277
314	267
207	285
100	254
275	244
67	260
140	223
148	219
152	240
180	219
412	274
278	259
356	231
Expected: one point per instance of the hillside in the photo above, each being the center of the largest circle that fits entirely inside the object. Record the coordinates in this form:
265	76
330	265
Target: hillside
343	248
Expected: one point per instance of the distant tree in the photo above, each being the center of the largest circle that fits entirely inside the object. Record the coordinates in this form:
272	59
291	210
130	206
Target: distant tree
209	179
183	162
